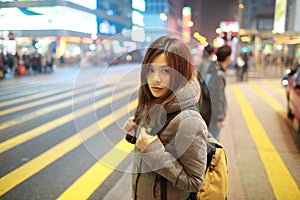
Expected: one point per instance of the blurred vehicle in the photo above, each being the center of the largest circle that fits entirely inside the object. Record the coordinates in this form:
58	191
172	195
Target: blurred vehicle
135	56
287	75
293	97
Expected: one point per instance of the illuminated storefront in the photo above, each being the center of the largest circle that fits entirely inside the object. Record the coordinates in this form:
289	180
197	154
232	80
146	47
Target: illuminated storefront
47	27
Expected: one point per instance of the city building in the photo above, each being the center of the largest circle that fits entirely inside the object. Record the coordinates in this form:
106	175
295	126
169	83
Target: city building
153	18
66	29
269	30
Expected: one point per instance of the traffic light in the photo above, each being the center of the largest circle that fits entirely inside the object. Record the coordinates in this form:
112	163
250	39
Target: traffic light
233	35
223	35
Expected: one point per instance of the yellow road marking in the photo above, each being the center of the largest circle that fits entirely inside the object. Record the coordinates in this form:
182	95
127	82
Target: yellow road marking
40	130
31	97
39	113
277	89
11	90
35	165
14	93
39	102
49	109
276	106
87	184
283	184
16	83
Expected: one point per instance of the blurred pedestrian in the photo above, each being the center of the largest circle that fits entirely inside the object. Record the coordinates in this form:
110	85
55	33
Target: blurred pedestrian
215	80
10	62
2	66
239	65
62	60
207	60
26	59
49	62
36	62
245	67
170	161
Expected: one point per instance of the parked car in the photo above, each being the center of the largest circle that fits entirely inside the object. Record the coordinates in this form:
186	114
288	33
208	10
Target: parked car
293	97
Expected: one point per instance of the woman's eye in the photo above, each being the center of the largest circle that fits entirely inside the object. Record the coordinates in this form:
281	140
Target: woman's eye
165	71
149	70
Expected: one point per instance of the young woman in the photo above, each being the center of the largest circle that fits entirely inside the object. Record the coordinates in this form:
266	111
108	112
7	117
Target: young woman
170	157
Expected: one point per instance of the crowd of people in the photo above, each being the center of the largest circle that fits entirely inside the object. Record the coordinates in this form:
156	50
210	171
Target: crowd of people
32	63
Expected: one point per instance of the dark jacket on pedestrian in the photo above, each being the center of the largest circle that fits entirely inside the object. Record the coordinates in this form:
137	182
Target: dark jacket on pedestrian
215	80
179	154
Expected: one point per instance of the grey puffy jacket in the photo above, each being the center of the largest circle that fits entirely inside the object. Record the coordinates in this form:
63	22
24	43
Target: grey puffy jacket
179	154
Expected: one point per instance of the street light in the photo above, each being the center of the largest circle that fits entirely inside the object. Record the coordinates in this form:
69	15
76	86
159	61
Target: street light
190	24
94	36
218	31
163	16
241	6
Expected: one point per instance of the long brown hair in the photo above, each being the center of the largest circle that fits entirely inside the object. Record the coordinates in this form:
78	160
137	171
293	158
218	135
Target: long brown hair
178	58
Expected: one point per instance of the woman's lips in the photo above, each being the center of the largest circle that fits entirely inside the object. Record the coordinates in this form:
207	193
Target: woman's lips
156	88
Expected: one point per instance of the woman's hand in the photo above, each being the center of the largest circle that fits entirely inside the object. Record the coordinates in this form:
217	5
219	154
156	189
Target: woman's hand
142	142
129	126
145	139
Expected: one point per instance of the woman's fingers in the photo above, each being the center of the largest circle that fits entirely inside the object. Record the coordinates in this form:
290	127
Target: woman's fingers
129	126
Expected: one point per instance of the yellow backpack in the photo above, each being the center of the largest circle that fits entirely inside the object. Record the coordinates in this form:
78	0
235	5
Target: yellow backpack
215	184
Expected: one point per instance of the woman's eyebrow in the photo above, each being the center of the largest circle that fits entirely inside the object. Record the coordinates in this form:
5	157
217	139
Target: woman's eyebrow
159	65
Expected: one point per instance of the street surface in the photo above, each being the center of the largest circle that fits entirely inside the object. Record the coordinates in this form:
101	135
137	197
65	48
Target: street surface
61	136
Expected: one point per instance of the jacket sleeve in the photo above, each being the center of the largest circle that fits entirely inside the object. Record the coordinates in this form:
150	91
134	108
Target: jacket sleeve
186	169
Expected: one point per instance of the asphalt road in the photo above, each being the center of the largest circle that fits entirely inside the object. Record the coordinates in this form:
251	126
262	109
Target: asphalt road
61	138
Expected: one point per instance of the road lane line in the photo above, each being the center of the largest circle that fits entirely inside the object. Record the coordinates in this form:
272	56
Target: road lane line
277	89
87	184
34	96
40	102
276	106
40	130
13	89
53	108
283	184
49	109
24	93
37	164
19	83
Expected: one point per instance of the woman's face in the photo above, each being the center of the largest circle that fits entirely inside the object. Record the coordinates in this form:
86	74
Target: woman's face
159	76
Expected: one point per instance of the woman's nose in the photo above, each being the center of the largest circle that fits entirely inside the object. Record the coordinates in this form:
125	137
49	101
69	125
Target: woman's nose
156	78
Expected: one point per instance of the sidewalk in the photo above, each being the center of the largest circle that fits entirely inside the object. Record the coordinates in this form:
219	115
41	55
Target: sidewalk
271	71
258	72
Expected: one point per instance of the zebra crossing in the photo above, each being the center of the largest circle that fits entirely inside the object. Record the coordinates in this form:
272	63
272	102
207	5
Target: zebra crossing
41	130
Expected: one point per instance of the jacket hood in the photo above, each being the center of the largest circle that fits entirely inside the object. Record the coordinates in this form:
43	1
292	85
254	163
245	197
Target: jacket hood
186	96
